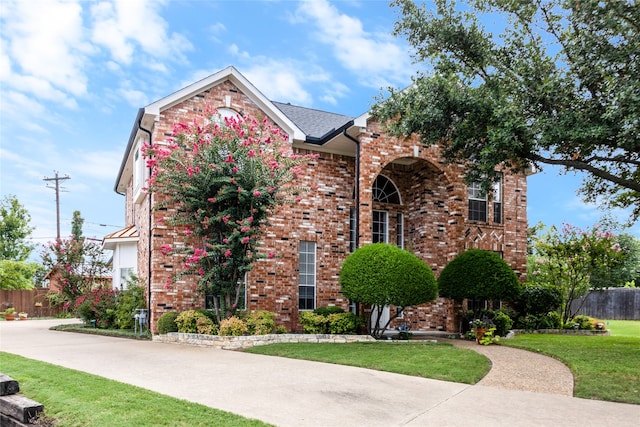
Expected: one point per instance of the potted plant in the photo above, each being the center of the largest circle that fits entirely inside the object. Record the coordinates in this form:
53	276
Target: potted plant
22	315
10	314
480	327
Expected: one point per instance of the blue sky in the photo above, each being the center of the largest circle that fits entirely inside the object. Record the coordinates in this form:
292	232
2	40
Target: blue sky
74	73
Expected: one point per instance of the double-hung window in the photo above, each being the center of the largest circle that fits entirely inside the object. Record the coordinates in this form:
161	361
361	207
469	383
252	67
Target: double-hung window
380	227
477	203
307	276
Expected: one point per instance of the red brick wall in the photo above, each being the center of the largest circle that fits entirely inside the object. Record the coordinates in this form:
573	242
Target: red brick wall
434	204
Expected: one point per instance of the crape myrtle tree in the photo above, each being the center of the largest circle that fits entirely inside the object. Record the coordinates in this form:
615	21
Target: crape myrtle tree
568	258
554	82
222	181
78	266
380	274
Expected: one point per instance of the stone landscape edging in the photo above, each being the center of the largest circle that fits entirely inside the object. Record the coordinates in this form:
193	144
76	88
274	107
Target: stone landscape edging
246	341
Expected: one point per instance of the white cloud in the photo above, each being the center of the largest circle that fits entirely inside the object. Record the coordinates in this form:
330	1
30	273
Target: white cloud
44	41
124	25
135	98
378	59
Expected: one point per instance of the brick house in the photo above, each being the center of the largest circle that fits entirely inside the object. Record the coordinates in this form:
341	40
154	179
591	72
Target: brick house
368	187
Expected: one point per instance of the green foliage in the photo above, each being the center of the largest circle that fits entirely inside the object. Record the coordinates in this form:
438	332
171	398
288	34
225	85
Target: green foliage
625	270
539	299
380	274
14	230
222	183
567	259
189	322
76	265
233	326
330	323
98	304
327	310
313	323
558	85
582	321
129	300
503	323
261	322
17	274
76	226
478	274
167	322
550	320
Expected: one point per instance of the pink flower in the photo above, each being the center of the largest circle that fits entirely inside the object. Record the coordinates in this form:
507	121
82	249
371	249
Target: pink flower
229	159
188	232
251	153
235	169
256	193
245	240
201	272
212	200
165	249
270	255
225	218
227	253
190	172
273	164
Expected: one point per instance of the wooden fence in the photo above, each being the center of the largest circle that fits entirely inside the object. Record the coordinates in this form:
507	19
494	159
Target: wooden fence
614	304
32	302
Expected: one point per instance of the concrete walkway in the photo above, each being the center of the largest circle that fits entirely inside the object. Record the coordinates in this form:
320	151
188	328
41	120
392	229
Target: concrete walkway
287	392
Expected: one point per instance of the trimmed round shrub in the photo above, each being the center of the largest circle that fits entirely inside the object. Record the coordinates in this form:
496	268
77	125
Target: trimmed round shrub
167	322
205	326
344	323
233	326
313	323
261	322
382	274
478	274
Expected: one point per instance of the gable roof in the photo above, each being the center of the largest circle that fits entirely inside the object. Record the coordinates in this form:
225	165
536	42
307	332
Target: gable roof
318	126
302	124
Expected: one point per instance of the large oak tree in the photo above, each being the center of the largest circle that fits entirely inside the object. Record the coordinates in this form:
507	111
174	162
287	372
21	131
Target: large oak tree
550	83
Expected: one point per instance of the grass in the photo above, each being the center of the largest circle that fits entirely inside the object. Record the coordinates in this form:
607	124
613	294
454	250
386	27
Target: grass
441	361
72	398
624	328
120	333
603	367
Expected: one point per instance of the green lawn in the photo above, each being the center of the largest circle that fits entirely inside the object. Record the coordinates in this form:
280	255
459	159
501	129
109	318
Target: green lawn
604	367
441	361
73	398
624	328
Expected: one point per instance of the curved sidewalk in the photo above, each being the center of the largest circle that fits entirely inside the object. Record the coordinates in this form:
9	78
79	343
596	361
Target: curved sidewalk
288	392
516	369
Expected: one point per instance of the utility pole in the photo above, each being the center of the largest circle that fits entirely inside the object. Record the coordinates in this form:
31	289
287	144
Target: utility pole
57	180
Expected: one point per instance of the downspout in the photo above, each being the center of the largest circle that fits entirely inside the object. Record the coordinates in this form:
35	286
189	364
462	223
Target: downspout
148	132
357	189
357	196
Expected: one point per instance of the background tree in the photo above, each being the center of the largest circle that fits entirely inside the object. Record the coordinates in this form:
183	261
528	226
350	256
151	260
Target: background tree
14	230
76	226
558	85
17	274
568	258
224	181
478	274
380	274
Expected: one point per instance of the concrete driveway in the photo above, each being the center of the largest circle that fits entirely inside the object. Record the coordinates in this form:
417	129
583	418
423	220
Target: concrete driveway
288	392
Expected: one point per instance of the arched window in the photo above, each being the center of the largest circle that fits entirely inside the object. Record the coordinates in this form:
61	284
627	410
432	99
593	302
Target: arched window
385	191
223	113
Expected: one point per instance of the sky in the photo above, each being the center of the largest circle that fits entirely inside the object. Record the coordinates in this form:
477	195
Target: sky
74	73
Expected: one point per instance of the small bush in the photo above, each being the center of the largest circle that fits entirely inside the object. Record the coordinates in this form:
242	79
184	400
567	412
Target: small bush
167	322
232	326
327	310
98	304
344	323
261	322
210	314
280	329
551	320
128	301
503	323
313	323
188	321
538	299
205	326
583	322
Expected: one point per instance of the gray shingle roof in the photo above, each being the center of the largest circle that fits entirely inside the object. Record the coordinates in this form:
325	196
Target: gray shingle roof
317	125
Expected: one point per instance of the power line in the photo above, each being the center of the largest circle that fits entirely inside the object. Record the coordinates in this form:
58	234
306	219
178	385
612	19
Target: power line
57	180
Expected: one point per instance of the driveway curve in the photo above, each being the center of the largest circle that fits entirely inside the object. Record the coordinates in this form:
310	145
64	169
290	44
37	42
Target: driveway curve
288	392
